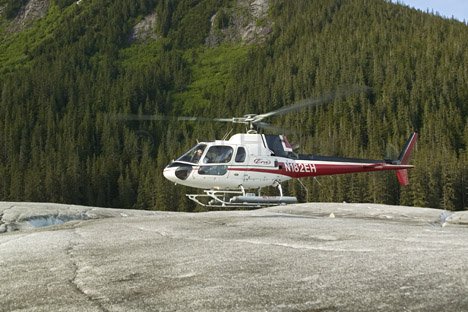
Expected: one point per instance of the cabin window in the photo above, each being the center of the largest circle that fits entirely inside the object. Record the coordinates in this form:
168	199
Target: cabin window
193	155
240	156
213	170
218	155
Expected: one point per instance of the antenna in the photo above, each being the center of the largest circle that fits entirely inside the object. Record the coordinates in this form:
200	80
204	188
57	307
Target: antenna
226	135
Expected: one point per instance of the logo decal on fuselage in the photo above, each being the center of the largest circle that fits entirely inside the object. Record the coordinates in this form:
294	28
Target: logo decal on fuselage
260	161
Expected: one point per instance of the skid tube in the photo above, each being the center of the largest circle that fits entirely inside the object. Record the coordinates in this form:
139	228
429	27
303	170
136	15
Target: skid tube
239	199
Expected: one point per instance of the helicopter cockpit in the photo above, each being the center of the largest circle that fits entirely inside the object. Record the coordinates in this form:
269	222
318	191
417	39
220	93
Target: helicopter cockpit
212	159
193	155
216	154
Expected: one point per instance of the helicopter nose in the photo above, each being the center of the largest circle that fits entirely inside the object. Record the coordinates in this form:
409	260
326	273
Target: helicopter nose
177	173
169	173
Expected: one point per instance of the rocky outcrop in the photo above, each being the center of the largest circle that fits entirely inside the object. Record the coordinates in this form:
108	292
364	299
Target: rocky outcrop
145	29
247	22
19	216
33	10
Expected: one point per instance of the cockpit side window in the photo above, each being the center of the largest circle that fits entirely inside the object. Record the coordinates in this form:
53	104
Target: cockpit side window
194	154
240	155
218	154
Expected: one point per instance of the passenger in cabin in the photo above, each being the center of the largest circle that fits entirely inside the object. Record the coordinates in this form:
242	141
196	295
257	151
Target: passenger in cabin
226	157
218	154
210	157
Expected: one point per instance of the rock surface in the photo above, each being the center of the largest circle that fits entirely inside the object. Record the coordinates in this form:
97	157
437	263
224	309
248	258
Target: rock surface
146	28
33	10
290	258
247	23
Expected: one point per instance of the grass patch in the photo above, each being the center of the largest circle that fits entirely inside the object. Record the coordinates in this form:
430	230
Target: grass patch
141	55
15	47
212	70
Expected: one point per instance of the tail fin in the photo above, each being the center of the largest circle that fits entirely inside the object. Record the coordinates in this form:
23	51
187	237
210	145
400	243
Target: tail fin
405	154
404	158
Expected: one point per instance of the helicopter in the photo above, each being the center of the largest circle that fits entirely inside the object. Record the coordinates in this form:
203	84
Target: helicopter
229	169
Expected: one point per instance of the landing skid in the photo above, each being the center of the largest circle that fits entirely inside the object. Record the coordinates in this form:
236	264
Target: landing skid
239	199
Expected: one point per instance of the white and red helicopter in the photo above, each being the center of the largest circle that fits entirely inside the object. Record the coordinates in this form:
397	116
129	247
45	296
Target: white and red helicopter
228	169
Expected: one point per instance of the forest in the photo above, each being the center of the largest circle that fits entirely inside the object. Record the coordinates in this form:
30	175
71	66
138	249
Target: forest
66	76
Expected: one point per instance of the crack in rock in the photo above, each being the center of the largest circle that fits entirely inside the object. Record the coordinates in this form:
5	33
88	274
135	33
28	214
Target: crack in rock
3	227
74	283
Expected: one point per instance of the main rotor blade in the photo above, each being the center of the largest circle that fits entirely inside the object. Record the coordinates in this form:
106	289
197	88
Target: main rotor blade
313	102
171	118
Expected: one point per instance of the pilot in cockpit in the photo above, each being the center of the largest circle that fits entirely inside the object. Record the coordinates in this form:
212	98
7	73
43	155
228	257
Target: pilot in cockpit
197	155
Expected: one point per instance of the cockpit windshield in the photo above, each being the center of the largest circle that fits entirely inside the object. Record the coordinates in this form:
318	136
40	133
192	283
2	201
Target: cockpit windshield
194	154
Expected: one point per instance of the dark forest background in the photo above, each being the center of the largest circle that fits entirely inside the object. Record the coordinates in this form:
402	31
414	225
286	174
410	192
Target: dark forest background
65	77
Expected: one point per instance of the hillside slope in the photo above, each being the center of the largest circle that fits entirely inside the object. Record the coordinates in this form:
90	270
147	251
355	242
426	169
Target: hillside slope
65	75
